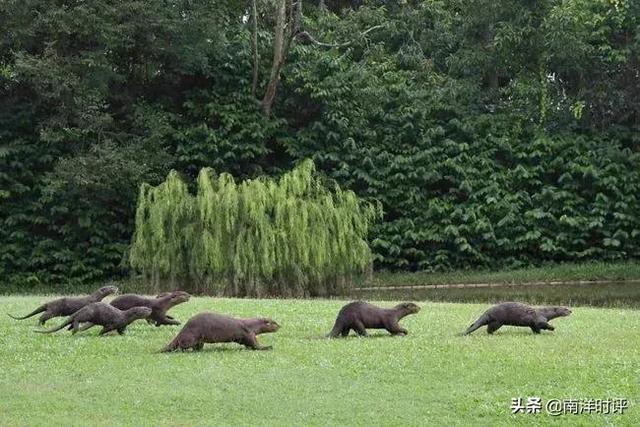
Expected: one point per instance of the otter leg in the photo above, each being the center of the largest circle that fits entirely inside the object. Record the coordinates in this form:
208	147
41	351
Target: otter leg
395	329
86	326
493	326
359	328
198	347
165	320
250	341
121	330
544	325
106	330
46	316
535	329
185	341
345	332
338	328
75	325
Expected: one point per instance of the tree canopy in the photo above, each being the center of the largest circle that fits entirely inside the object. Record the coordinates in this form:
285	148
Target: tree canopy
493	133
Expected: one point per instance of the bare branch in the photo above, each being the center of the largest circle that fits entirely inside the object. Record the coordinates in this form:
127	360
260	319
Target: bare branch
305	36
280	46
254	47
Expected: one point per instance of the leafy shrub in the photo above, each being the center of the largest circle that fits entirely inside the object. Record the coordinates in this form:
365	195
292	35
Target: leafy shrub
294	236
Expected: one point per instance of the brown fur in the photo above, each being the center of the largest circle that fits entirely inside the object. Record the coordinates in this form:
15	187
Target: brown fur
68	305
214	328
360	316
103	314
159	305
518	314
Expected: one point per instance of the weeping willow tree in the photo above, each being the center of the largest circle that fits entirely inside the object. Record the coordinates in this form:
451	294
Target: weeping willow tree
166	227
298	235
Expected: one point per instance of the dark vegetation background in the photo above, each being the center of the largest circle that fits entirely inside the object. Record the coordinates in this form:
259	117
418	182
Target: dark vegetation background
494	133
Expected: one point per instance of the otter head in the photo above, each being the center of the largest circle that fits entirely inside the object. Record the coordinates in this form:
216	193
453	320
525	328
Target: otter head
562	311
104	291
267	325
139	312
554	311
178	297
408	307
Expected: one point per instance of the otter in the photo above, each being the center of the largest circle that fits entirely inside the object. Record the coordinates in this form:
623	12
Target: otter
518	314
360	315
103	314
68	305
159	305
213	328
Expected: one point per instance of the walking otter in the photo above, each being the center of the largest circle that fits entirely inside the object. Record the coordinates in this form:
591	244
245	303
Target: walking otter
518	314
360	315
159	305
103	314
213	328
68	305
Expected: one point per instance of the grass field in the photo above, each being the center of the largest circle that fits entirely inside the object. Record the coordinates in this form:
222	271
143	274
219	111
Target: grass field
431	377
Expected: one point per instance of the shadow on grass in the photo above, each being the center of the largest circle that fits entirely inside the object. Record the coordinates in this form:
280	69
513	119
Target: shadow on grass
65	334
217	349
354	336
512	332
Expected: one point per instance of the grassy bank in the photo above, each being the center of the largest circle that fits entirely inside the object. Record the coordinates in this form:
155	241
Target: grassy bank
432	376
555	272
552	273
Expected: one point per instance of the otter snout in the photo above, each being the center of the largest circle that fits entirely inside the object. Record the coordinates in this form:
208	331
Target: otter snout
110	290
271	326
179	296
413	308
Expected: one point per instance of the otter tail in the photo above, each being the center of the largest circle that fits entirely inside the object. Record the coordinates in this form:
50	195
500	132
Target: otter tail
337	329
483	320
33	313
57	328
172	346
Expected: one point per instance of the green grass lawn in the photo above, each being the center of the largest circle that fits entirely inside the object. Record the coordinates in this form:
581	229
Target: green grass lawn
431	377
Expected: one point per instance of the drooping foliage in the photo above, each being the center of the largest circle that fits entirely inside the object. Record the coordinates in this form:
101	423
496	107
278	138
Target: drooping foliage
294	236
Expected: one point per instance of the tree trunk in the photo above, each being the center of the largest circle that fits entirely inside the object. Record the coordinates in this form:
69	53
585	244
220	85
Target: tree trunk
494	81
278	57
254	47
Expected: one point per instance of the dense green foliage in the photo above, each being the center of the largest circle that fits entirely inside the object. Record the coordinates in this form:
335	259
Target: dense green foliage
293	237
430	377
493	133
